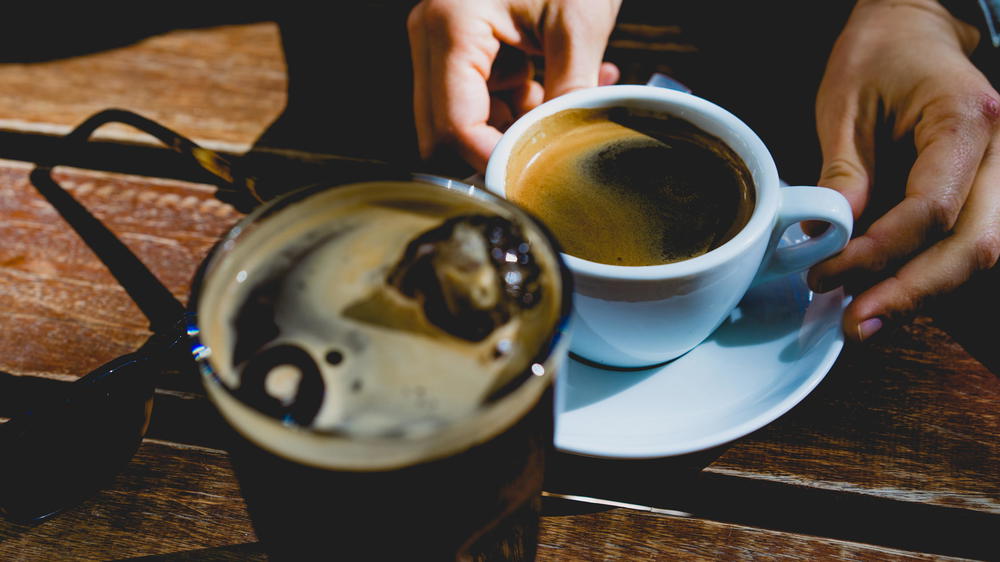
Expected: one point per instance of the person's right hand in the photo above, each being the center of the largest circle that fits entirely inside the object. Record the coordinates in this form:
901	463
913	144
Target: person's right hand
472	73
907	63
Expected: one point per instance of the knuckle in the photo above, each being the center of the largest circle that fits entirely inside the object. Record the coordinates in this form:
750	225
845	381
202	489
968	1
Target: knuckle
879	258
843	169
875	250
941	210
571	86
986	250
579	24
442	133
414	21
461	137
429	14
970	110
447	136
906	297
988	109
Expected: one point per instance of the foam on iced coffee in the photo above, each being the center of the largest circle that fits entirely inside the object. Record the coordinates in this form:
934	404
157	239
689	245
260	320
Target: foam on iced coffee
393	312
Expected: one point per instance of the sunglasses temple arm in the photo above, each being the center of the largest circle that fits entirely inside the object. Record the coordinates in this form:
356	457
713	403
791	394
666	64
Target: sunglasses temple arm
161	308
237	186
158	304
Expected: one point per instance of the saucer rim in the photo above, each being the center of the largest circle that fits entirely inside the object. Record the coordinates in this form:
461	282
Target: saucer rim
832	345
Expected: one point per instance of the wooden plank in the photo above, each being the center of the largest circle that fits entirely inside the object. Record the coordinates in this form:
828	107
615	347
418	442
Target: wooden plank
64	312
913	419
221	85
626	534
899	446
169	499
803	509
184	502
879	425
903	432
895	521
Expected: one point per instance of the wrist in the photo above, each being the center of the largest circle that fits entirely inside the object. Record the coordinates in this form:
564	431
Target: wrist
984	15
933	6
954	17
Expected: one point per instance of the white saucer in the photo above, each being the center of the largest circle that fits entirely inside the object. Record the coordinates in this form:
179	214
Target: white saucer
772	351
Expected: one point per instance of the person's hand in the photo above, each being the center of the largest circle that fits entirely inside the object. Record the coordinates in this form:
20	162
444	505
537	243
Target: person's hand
909	61
472	72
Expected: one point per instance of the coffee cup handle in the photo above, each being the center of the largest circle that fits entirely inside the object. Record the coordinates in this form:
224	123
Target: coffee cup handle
806	203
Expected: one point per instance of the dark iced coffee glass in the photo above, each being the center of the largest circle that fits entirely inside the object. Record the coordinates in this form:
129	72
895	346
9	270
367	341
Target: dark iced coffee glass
384	353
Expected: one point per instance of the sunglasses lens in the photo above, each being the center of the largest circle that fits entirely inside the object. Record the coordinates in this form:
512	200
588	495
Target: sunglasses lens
62	450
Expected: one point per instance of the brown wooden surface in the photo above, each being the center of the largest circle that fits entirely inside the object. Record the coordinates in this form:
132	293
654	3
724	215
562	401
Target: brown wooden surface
896	455
229	83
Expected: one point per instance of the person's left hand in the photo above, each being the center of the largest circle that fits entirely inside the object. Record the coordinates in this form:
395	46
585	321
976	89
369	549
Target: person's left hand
472	68
911	61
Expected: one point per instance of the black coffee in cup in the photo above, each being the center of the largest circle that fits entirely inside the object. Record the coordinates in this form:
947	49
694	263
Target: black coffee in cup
623	186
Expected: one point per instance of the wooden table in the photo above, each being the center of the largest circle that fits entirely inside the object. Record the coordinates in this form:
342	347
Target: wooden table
896	455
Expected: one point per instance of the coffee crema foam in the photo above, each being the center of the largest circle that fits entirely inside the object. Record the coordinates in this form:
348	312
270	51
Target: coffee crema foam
306	325
629	187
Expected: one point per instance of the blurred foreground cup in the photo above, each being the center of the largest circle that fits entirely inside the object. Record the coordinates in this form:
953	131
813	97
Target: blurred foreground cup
384	353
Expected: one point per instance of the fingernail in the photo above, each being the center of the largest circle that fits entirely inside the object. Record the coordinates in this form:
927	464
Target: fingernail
868	328
820	285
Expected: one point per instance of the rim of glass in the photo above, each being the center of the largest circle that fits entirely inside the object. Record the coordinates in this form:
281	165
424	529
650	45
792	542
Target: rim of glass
202	353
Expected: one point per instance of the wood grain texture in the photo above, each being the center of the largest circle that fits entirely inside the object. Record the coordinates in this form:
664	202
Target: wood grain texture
896	455
915	419
221	85
183	503
911	421
64	312
169	499
624	534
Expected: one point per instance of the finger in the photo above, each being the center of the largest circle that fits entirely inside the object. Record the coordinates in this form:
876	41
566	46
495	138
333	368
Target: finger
422	116
608	74
574	43
973	247
461	56
511	70
501	115
522	99
949	153
845	123
511	81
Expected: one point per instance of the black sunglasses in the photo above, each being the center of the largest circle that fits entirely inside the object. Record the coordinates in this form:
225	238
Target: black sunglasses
64	446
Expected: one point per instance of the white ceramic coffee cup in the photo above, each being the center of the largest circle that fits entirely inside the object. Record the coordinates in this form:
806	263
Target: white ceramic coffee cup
640	316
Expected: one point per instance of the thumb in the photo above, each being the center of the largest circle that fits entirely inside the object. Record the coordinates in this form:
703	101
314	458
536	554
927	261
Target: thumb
846	141
574	43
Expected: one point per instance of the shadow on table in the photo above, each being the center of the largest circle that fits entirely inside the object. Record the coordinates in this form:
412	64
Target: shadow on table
339	103
658	483
40	35
970	315
241	552
678	487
